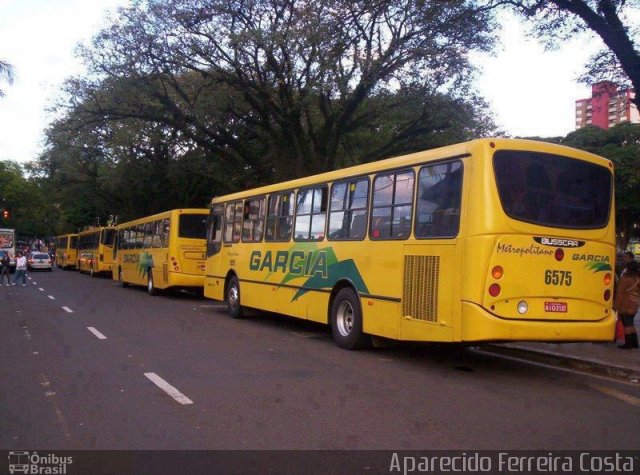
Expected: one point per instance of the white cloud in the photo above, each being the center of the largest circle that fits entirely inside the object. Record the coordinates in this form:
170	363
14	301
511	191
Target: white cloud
38	38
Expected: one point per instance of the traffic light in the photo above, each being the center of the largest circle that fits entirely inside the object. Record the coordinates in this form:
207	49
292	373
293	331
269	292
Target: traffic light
6	214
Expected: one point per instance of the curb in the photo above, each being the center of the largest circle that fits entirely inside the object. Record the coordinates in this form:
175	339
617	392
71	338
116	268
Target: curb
562	361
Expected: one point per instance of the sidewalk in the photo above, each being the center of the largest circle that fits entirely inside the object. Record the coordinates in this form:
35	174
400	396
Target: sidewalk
600	358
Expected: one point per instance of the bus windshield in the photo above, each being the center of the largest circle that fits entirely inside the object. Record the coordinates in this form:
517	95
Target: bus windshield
193	226
553	190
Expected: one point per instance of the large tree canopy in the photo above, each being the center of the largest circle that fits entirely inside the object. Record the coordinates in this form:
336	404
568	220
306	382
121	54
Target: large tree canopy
277	88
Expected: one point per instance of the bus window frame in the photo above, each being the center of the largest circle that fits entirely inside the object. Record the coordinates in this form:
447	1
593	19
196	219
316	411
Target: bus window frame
417	189
347	181
292	192
321	186
373	207
261	219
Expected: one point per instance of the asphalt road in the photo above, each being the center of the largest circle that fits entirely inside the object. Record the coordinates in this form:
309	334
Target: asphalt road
82	362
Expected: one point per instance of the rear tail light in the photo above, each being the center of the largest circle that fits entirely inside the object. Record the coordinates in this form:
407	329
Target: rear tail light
494	290
607	295
497	272
559	255
607	279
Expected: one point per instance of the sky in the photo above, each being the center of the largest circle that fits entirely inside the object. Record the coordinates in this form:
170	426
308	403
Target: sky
532	92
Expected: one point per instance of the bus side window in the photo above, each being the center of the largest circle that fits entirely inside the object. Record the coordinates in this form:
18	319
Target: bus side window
439	197
279	217
252	220
311	214
348	215
214	230
392	205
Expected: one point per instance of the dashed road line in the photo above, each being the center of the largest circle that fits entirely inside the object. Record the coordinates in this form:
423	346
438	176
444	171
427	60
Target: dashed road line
51	297
67	309
40	289
167	388
99	335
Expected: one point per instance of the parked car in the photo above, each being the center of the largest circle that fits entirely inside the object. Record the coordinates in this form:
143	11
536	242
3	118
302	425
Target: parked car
39	260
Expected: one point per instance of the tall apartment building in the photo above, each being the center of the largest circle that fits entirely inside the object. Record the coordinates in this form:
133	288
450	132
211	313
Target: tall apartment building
606	107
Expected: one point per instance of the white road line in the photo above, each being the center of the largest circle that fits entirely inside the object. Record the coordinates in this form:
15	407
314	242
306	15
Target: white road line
40	289
167	388
97	333
51	297
67	309
34	283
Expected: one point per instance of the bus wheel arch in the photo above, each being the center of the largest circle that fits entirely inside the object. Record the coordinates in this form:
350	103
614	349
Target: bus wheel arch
232	295
345	317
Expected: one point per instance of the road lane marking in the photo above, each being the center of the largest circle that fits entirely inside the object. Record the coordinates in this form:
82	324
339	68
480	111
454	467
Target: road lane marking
167	388
51	297
67	309
634	401
97	333
40	289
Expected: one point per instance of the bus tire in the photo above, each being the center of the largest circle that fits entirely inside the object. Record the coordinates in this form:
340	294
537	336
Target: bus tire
151	290
122	282
346	321
233	298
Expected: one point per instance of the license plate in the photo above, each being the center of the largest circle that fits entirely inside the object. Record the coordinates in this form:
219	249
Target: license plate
556	307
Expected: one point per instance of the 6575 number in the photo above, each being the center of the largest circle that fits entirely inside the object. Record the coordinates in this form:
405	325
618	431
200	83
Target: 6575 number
557	277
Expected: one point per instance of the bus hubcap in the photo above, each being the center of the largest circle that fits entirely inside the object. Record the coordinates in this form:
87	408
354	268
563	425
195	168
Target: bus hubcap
233	296
345	319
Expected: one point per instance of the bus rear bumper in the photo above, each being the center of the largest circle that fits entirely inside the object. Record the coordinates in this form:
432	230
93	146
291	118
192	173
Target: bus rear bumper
479	325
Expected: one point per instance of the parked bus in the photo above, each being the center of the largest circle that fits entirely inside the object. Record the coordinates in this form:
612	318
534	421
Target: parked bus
162	251
67	251
8	244
95	250
489	240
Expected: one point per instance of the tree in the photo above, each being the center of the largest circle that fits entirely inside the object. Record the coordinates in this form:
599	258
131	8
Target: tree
608	19
620	144
275	89
6	72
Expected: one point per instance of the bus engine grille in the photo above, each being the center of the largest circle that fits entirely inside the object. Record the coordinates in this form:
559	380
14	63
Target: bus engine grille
420	294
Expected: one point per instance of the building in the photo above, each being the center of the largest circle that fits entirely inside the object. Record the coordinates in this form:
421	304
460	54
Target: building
606	107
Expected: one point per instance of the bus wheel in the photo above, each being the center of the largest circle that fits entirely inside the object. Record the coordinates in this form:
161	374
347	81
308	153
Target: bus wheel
122	282
346	321
233	298
151	290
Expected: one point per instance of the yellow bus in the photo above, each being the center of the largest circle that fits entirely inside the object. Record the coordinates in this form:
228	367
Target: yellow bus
489	240
66	251
162	251
95	250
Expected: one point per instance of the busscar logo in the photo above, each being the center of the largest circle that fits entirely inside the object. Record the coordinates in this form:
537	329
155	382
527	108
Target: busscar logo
558	242
33	463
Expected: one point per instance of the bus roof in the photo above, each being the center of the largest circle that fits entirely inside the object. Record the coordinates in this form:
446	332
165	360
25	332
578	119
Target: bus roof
460	150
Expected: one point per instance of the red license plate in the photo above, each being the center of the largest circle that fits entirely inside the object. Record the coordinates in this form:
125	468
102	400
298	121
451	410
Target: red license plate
556	307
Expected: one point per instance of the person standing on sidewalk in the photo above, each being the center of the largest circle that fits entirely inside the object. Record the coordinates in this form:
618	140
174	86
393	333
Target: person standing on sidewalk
627	302
5	263
21	269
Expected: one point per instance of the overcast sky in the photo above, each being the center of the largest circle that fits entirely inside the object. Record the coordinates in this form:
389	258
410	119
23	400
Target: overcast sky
532	92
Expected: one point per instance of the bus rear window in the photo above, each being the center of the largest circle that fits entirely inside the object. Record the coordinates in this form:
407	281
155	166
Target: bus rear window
553	190
193	226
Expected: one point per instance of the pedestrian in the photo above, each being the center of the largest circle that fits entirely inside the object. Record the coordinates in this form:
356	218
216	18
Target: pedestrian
627	302
627	257
21	269
5	264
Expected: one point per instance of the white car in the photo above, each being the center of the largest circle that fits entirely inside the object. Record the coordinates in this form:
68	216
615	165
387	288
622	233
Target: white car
39	260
